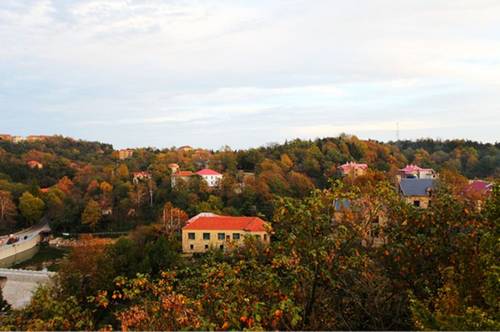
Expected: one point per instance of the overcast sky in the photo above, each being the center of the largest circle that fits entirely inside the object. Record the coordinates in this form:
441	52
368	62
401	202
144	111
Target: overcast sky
246	73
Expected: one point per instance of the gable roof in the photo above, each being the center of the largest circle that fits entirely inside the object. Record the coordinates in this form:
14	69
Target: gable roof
409	169
416	187
478	186
208	171
210	221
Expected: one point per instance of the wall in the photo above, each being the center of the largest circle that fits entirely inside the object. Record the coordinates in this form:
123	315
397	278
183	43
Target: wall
11	254
214	242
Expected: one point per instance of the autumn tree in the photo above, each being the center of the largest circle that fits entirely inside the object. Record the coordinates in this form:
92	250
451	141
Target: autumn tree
92	214
7	207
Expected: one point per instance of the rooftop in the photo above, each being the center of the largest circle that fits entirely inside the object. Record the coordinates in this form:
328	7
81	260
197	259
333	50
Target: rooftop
208	171
416	187
210	221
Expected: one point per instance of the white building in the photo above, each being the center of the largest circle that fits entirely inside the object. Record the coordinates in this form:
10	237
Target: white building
212	177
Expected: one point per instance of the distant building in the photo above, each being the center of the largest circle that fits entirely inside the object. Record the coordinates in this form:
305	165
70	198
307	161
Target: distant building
182	176
477	191
417	192
141	176
34	164
174	167
353	169
35	138
413	171
373	232
125	154
185	148
207	230
212	177
18	139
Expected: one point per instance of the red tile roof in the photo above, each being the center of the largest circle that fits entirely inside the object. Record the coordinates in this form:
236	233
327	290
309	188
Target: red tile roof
183	173
353	165
409	169
478	186
209	221
208	171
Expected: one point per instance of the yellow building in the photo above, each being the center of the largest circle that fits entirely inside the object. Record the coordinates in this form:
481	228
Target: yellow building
210	231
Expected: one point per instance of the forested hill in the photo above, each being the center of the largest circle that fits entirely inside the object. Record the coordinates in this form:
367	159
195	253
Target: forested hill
66	177
316	159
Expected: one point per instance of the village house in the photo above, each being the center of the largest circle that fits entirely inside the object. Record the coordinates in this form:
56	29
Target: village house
477	191
18	139
181	176
125	154
417	192
353	169
141	176
185	148
35	138
371	228
211	177
34	164
210	231
174	167
416	172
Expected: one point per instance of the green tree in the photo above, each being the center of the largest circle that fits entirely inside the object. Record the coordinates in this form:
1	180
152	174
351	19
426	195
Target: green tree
92	214
31	207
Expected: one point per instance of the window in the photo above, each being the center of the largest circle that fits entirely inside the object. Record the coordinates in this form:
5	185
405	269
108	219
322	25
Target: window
236	236
206	236
265	237
206	246
416	203
221	236
257	236
191	247
221	247
191	236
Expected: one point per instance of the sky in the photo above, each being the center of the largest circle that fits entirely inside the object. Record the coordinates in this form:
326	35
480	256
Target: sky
247	73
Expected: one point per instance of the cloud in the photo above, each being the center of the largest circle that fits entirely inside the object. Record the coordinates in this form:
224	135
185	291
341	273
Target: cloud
259	70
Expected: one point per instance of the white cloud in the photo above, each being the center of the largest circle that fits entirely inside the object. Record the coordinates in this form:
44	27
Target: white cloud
272	63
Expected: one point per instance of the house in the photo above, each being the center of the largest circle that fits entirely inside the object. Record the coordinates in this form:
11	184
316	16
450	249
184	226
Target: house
141	176
35	138
212	177
18	139
174	167
372	227
413	171
478	188
185	148
181	175
477	191
417	192
208	230
34	164
353	169
125	154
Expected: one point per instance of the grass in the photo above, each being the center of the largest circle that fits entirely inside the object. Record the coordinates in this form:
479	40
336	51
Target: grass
47	257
